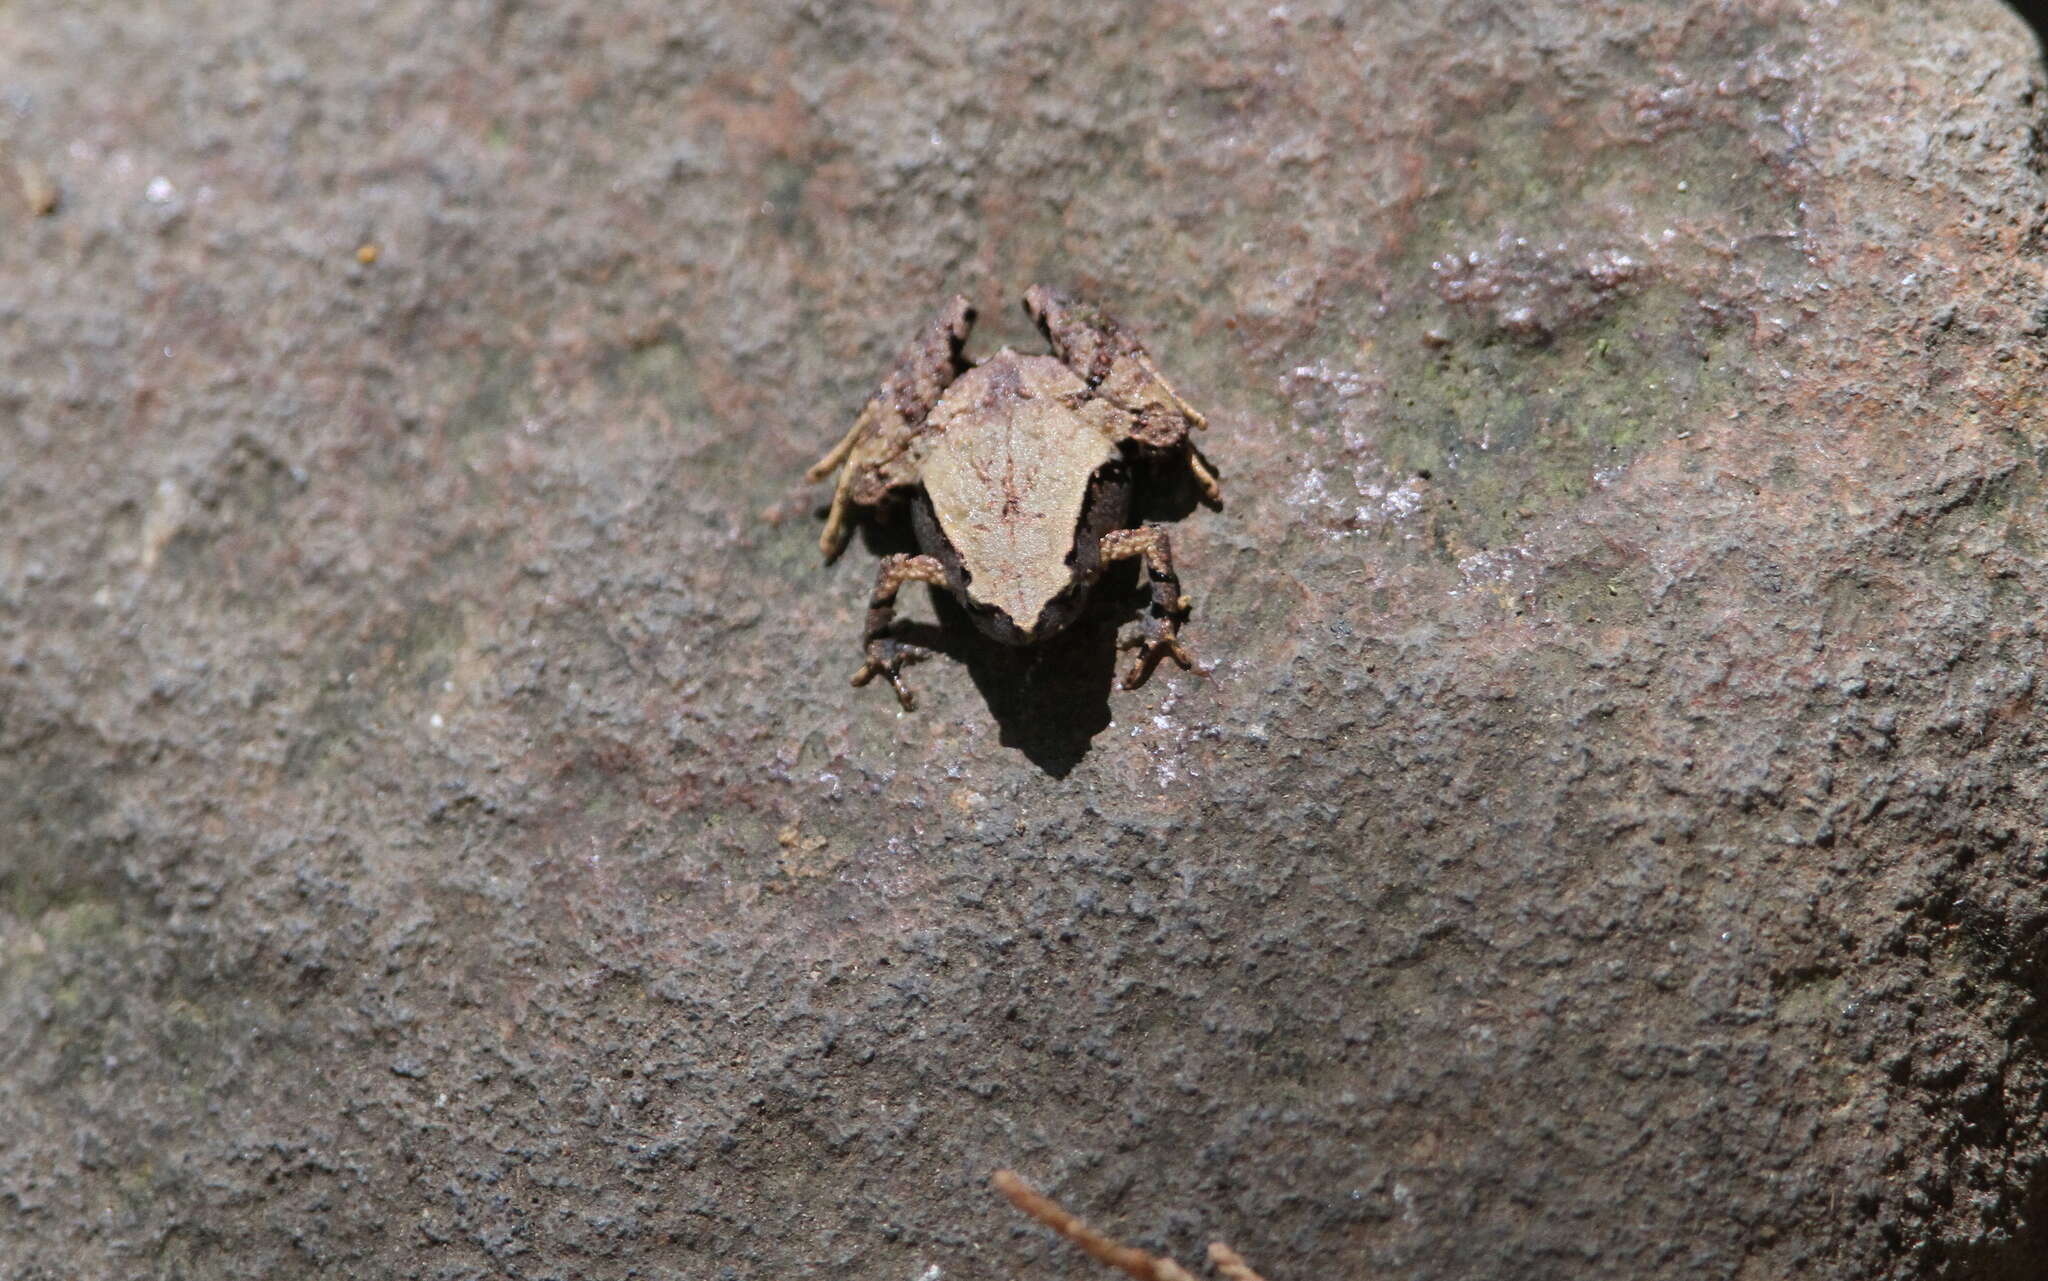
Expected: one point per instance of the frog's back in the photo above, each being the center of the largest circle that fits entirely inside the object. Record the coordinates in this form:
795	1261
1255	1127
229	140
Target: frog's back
1008	457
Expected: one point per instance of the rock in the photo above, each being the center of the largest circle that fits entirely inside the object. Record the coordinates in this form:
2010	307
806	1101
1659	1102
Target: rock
1605	838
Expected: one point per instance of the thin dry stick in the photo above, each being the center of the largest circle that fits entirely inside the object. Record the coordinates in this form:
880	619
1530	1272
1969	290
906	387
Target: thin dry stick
1230	1263
1096	1246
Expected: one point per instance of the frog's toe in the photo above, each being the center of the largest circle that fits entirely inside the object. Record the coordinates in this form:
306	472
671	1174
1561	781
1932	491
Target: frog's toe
1150	650
889	658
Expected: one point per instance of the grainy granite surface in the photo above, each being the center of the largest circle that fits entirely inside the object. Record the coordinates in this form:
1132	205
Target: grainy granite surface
1605	841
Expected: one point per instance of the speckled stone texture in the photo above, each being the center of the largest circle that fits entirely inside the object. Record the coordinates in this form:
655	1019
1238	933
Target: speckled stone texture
1605	838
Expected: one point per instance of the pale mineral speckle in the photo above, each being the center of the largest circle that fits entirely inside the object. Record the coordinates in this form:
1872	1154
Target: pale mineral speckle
1404	500
1310	488
1344	382
1497	565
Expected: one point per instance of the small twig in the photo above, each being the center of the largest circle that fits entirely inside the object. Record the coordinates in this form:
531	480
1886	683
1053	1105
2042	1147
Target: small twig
1230	1264
1095	1245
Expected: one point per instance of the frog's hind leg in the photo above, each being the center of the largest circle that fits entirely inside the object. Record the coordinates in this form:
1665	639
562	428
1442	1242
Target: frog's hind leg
1161	637
887	656
1117	366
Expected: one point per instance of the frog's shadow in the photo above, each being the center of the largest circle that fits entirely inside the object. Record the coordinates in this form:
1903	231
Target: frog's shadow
1049	700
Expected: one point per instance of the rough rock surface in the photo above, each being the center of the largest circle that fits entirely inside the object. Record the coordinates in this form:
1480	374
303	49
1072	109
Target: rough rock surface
1605	839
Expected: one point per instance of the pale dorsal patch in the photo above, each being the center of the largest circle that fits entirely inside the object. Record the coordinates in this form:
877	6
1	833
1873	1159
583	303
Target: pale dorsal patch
1007	470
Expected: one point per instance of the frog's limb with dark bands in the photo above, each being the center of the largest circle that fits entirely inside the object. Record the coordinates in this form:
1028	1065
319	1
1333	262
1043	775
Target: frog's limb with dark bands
887	656
1102	351
1161	638
871	454
1119	369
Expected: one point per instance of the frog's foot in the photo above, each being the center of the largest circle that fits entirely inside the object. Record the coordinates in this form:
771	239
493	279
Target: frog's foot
1160	640
1167	609
844	449
839	524
1212	492
888	657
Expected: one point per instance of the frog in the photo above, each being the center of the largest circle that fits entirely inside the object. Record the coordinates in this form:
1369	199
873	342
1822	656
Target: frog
1019	472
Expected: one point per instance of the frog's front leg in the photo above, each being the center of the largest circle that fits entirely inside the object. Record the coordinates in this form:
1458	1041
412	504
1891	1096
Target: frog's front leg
1161	638
1103	352
886	655
868	455
1119	369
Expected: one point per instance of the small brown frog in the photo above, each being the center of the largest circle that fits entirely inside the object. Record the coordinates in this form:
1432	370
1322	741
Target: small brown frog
1018	471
